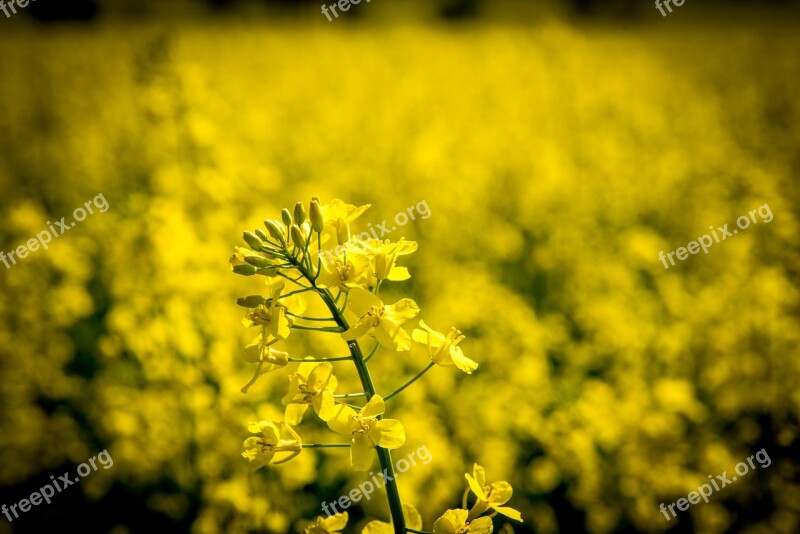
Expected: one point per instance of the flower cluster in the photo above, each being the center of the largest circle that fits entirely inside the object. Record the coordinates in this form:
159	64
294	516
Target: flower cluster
348	284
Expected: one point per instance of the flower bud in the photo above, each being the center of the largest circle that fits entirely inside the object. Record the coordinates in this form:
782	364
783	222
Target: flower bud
253	241
275	230
245	270
317	221
251	301
286	217
261	235
258	261
299	213
297	237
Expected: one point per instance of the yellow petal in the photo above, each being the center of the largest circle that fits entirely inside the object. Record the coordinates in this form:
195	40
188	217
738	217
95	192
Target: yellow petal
360	329
461	361
361	301
413	519
335	522
501	493
319	376
374	407
361	452
482	525
398	274
324	405
341	420
479	473
508	512
388	433
378	527
476	488
402	310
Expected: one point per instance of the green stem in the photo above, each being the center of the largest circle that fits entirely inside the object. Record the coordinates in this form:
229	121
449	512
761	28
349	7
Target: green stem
289	294
416	531
404	386
348	395
308	318
315	360
334	329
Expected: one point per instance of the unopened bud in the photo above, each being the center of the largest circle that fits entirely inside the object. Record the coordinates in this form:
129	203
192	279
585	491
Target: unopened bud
275	230
253	241
317	221
297	237
286	217
258	261
245	269
251	301
261	235
299	213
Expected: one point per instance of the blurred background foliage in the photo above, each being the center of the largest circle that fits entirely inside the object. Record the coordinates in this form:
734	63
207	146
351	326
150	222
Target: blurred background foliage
558	155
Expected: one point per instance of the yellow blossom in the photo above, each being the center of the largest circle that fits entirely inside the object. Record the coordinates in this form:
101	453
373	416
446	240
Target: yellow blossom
455	522
312	384
491	496
271	317
383	256
366	431
276	438
338	215
345	275
444	350
380	320
327	525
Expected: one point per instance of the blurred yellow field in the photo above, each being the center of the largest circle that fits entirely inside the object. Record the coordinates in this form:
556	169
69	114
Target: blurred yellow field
556	159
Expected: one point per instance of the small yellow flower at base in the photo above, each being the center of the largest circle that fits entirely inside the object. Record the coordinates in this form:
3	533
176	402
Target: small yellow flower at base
366	431
455	522
277	444
327	525
444	350
412	517
312	384
380	320
491	496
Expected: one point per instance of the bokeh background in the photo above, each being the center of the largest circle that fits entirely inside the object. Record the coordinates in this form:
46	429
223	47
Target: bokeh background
559	146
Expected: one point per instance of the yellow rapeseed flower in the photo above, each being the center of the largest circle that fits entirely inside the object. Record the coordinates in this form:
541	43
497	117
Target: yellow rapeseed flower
444	350
455	522
366	431
338	215
491	496
312	384
276	438
380	320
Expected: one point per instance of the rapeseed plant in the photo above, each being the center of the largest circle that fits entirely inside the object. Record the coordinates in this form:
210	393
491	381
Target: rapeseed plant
348	284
